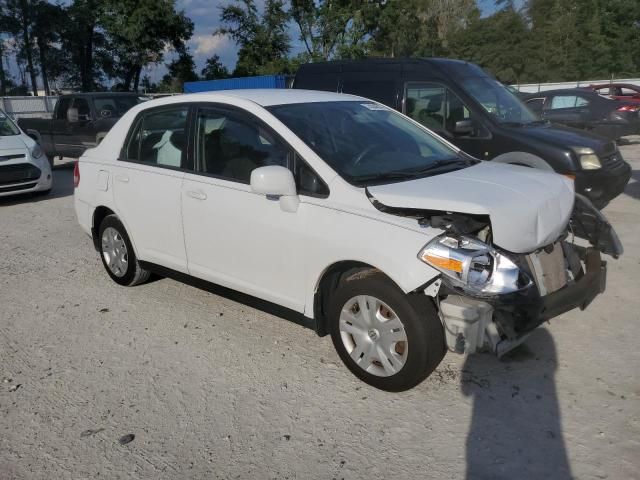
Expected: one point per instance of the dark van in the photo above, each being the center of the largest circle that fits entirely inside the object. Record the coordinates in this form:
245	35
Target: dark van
475	112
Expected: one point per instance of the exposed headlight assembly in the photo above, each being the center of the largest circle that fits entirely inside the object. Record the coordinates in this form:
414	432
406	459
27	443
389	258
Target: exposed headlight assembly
473	265
588	158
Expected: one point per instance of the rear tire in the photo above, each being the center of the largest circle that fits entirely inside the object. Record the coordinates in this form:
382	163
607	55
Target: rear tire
117	254
401	343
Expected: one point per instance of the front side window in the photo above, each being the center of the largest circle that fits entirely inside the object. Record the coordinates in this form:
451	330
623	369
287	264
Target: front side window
230	146
536	104
159	138
7	127
84	111
497	101
116	106
367	143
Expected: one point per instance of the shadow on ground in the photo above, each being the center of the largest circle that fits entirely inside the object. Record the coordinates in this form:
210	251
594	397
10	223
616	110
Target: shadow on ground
62	187
633	187
516	429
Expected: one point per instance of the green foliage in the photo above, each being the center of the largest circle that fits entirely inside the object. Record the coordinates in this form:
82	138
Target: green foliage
214	69
262	39
180	70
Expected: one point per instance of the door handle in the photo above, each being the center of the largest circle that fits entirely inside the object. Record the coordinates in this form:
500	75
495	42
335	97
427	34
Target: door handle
197	194
122	178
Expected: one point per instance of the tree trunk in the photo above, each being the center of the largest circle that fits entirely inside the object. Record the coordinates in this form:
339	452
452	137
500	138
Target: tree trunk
136	79
24	13
42	49
3	76
128	78
86	67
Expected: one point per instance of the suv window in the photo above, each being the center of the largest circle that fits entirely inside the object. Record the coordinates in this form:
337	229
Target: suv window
568	101
61	113
435	107
159	138
383	92
231	146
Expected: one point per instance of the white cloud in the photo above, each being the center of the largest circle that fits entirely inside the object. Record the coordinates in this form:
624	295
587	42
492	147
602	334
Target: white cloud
207	44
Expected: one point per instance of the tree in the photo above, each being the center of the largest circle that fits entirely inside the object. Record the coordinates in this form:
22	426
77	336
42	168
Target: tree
263	40
214	69
140	31
17	22
181	70
48	20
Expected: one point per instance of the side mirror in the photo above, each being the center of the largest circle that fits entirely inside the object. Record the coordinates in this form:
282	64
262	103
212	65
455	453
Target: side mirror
464	127
72	115
278	183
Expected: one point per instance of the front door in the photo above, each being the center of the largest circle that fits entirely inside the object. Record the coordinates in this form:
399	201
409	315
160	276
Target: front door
233	236
147	181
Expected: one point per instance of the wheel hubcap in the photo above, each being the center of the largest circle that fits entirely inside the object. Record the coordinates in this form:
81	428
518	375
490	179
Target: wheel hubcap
373	336
114	251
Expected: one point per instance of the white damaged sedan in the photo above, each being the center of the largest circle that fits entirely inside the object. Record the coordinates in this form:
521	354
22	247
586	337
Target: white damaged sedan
24	167
358	221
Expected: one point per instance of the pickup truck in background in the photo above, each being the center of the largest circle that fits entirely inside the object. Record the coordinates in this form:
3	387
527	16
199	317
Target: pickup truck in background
79	121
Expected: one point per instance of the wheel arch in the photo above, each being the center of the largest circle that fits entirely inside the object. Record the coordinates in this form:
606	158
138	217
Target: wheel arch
328	281
523	158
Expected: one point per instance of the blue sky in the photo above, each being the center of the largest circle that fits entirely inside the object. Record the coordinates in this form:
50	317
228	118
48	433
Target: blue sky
206	17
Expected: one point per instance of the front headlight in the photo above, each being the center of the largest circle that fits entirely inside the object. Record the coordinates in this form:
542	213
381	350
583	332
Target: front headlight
588	158
36	151
473	265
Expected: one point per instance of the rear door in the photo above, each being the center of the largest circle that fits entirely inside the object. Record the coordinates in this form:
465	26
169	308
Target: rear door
82	132
568	109
147	180
381	86
60	132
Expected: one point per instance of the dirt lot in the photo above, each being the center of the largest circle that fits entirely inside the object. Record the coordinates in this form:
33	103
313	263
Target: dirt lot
212	388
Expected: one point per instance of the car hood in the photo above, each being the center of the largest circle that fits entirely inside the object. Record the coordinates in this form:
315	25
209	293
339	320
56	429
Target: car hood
11	142
564	137
528	208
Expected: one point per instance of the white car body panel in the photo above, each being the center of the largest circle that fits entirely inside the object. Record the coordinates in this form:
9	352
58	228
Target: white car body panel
528	208
21	145
281	256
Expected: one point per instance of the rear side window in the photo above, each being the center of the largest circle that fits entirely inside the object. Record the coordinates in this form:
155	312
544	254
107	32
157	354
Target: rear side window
568	101
383	92
159	138
84	111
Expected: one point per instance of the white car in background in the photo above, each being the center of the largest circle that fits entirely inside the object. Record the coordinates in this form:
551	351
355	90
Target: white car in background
24	168
361	222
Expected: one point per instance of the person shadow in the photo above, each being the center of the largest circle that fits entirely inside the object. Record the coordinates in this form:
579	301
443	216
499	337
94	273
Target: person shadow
516	428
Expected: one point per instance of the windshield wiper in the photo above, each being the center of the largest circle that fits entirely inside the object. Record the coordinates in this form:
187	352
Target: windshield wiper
408	174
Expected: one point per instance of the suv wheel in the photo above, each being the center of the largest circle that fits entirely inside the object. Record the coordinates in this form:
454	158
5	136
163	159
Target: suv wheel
388	339
117	254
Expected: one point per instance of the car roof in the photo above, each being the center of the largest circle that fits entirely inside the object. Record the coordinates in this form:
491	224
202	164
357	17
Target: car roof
607	85
265	97
567	91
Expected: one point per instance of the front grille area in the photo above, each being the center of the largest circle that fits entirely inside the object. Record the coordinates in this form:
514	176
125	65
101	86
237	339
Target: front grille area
613	162
19	173
5	158
15	188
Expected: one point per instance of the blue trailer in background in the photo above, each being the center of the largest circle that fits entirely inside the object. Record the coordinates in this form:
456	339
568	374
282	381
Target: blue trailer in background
263	81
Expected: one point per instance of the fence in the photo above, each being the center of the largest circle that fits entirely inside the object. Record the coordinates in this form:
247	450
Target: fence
541	87
23	107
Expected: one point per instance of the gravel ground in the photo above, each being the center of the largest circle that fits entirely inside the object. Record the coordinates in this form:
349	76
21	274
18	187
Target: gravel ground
212	388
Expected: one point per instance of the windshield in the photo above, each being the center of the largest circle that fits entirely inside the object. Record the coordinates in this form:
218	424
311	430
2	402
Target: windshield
7	127
116	106
367	143
498	101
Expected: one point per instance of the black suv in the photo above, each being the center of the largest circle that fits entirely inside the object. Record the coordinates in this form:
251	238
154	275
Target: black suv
475	112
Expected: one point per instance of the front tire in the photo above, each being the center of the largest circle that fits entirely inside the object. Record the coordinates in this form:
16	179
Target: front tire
388	339
117	254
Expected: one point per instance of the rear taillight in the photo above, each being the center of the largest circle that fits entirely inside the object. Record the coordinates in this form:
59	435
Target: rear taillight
76	174
629	108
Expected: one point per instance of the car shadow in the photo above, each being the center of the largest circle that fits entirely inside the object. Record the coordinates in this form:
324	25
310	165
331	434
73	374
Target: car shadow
62	187
633	187
516	428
